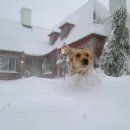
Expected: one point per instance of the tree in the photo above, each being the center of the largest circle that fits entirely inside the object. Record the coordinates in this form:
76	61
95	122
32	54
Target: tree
116	52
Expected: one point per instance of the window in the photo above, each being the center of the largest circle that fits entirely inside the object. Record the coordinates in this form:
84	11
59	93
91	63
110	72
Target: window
65	29
64	32
7	64
53	37
94	17
46	66
58	54
52	40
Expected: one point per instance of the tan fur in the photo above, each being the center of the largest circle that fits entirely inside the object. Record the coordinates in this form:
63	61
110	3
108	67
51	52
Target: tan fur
80	60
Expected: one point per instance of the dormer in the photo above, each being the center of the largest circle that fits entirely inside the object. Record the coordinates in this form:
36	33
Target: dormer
53	37
65	29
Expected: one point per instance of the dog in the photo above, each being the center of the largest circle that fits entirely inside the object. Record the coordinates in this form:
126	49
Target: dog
80	60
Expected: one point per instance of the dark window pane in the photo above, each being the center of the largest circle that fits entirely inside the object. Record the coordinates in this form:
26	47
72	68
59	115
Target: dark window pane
7	64
4	64
12	64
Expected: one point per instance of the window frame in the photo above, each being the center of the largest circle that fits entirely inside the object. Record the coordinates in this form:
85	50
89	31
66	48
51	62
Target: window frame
64	32
52	39
46	65
7	70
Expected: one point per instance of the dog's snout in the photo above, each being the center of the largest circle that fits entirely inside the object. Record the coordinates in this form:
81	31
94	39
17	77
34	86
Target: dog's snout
85	62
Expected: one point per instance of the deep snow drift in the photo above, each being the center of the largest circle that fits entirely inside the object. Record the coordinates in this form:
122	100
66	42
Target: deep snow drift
52	104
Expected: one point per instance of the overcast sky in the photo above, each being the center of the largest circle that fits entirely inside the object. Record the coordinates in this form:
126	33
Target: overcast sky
45	13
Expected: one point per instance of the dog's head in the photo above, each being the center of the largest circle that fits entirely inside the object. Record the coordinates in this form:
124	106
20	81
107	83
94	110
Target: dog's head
80	59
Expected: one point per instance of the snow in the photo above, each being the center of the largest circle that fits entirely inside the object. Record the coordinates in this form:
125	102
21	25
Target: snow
15	37
35	40
83	22
59	61
50	104
92	78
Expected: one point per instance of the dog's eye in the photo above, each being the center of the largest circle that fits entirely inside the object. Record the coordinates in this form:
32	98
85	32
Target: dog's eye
78	55
87	55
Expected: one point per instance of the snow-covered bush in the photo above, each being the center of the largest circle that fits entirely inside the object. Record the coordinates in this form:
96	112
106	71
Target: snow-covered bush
116	53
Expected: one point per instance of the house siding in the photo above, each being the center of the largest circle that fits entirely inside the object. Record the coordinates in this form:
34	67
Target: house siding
98	44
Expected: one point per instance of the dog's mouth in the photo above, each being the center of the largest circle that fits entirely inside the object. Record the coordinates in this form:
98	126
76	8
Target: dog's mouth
83	69
83	66
84	63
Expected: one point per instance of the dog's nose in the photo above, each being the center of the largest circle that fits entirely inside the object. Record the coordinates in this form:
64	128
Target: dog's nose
85	62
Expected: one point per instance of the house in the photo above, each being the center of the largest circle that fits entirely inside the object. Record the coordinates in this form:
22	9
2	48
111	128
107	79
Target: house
26	50
21	49
82	28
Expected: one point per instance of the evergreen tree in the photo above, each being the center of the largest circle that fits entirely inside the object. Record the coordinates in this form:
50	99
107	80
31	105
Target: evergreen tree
116	52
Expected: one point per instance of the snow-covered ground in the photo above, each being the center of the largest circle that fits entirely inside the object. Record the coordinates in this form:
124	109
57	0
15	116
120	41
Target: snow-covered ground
52	104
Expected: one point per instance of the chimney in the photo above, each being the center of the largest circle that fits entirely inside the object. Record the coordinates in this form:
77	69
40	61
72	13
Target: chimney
114	4
26	17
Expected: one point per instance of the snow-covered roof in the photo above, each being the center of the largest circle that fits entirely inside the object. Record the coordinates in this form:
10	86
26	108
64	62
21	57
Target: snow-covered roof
15	37
35	41
83	20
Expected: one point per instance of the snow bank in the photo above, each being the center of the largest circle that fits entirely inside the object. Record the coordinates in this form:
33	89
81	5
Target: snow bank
47	104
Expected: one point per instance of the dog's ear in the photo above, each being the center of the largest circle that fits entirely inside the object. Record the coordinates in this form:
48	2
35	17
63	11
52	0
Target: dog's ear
67	50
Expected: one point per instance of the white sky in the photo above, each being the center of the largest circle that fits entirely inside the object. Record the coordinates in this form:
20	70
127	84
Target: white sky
45	13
